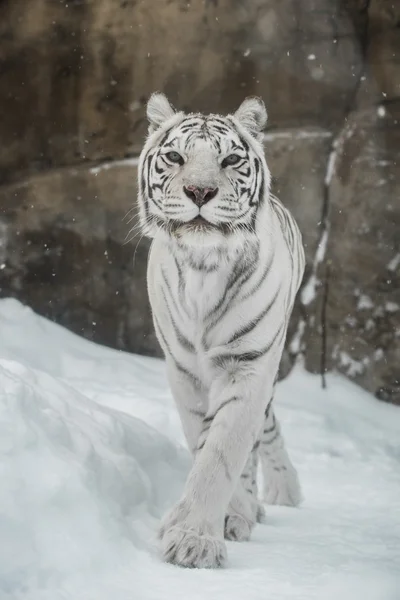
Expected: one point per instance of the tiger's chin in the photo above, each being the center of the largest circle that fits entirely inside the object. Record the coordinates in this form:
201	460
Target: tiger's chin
199	231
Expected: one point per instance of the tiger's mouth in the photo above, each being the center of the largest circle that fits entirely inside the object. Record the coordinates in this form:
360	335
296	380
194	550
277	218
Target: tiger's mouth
198	225
200	221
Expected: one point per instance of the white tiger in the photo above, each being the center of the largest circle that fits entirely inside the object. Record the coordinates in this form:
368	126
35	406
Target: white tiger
225	265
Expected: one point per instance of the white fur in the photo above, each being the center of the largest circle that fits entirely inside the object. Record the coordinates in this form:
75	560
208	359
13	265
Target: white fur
221	374
159	110
253	116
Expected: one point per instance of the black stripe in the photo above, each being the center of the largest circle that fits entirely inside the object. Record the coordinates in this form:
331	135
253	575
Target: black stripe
240	279
205	428
254	322
166	283
221	360
194	380
225	403
201	265
217	144
181	286
166	135
226	208
242	268
149	187
236	271
272	440
198	413
157	169
256	178
182	339
145	166
262	188
170	143
246	173
273	426
244	143
160	331
235	146
265	272
222	459
269	406
218	120
220	129
210	418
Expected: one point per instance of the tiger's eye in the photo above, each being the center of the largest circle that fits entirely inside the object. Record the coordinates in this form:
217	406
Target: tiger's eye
174	157
230	160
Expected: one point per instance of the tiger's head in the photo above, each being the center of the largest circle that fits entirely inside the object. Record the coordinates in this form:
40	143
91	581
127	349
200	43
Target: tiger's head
202	177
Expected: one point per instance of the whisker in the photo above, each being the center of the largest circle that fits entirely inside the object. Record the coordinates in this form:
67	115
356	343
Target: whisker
129	212
137	245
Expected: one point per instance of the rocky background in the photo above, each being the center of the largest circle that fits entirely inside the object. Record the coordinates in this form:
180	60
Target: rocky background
74	79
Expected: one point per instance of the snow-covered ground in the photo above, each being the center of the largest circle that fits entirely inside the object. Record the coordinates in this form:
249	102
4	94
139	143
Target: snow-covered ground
92	453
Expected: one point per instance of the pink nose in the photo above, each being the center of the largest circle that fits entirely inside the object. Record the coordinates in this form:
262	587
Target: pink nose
198	195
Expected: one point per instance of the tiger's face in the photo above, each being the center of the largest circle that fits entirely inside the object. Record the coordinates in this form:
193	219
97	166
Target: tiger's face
202	177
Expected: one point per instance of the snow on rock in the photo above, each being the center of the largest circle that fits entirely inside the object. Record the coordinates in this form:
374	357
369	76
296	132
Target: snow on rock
309	290
91	454
391	307
297	134
364	302
105	166
296	345
394	263
353	367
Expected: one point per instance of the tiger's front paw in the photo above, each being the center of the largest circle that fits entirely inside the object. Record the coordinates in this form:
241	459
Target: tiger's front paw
190	542
243	512
237	528
193	548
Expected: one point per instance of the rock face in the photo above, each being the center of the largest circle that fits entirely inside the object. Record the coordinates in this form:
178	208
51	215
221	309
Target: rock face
74	78
75	74
358	304
66	254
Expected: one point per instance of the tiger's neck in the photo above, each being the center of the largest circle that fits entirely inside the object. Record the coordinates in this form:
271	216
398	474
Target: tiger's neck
211	252
211	259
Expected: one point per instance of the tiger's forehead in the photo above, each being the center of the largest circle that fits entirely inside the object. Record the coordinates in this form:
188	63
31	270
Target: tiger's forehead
218	131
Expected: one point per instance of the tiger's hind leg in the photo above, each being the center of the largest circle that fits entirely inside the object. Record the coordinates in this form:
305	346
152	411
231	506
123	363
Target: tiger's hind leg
244	508
281	482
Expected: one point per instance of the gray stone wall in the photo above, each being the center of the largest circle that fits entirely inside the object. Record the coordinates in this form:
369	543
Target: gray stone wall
74	78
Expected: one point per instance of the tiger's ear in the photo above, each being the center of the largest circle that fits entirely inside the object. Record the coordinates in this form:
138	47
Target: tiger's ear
252	115
159	110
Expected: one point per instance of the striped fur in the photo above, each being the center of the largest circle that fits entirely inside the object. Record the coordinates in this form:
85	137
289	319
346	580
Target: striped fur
222	280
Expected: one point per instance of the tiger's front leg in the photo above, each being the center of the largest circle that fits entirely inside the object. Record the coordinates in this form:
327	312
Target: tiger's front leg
192	533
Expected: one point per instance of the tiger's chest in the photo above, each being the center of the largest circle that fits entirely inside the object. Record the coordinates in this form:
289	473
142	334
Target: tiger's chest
185	300
189	303
200	293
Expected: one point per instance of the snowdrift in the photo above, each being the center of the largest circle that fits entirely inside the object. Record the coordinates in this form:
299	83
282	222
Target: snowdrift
92	453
